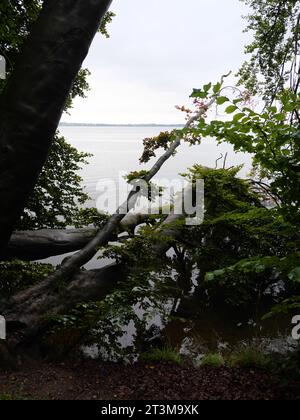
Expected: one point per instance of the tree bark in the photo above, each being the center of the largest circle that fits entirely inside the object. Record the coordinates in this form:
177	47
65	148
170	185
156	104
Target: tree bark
34	245
41	244
33	101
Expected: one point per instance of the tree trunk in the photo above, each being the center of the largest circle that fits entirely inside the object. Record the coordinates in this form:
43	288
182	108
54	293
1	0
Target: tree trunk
40	244
33	101
34	245
28	308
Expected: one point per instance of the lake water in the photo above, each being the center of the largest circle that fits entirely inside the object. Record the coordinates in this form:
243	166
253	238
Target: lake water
117	150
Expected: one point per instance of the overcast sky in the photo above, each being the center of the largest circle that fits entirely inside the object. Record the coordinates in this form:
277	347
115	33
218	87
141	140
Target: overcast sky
158	52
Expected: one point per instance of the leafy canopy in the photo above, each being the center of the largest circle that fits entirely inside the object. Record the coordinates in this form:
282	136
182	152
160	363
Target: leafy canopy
274	51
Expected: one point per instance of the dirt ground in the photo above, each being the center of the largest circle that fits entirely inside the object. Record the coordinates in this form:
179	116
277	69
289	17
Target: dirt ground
93	380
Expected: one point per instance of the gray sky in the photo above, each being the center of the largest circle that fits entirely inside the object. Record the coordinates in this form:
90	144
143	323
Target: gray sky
158	52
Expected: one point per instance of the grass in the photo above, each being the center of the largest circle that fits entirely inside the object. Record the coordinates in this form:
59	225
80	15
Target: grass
212	360
245	358
166	354
249	358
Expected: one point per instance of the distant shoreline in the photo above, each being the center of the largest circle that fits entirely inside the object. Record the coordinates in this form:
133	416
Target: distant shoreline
64	124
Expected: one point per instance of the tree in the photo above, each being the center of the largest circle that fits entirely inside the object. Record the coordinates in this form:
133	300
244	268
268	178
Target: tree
272	140
274	59
35	301
17	18
54	201
240	251
33	100
58	195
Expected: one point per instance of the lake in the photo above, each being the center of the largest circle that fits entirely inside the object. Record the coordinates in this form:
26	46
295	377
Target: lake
117	150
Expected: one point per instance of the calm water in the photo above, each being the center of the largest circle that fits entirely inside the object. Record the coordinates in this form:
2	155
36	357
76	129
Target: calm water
118	149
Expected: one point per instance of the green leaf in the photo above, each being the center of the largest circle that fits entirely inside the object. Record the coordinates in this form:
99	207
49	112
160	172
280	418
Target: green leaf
230	109
207	87
217	88
280	117
198	93
237	101
238	117
245	120
221	100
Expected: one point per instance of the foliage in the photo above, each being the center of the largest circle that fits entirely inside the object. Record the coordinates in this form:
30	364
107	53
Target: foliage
136	301
139	251
54	203
249	281
136	175
165	138
250	250
287	306
241	251
224	192
213	360
17	275
152	144
245	255
274	51
105	22
270	138
90	217
145	189
288	368
79	88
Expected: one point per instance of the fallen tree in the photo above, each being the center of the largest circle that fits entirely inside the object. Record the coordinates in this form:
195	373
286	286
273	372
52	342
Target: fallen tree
41	244
27	309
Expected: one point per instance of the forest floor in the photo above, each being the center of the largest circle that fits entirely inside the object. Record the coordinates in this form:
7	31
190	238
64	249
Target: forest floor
93	380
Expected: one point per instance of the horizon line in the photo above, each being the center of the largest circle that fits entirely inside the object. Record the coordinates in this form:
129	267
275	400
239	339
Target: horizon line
120	125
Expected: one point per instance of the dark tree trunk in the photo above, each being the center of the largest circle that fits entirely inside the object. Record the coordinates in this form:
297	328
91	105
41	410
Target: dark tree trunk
34	98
